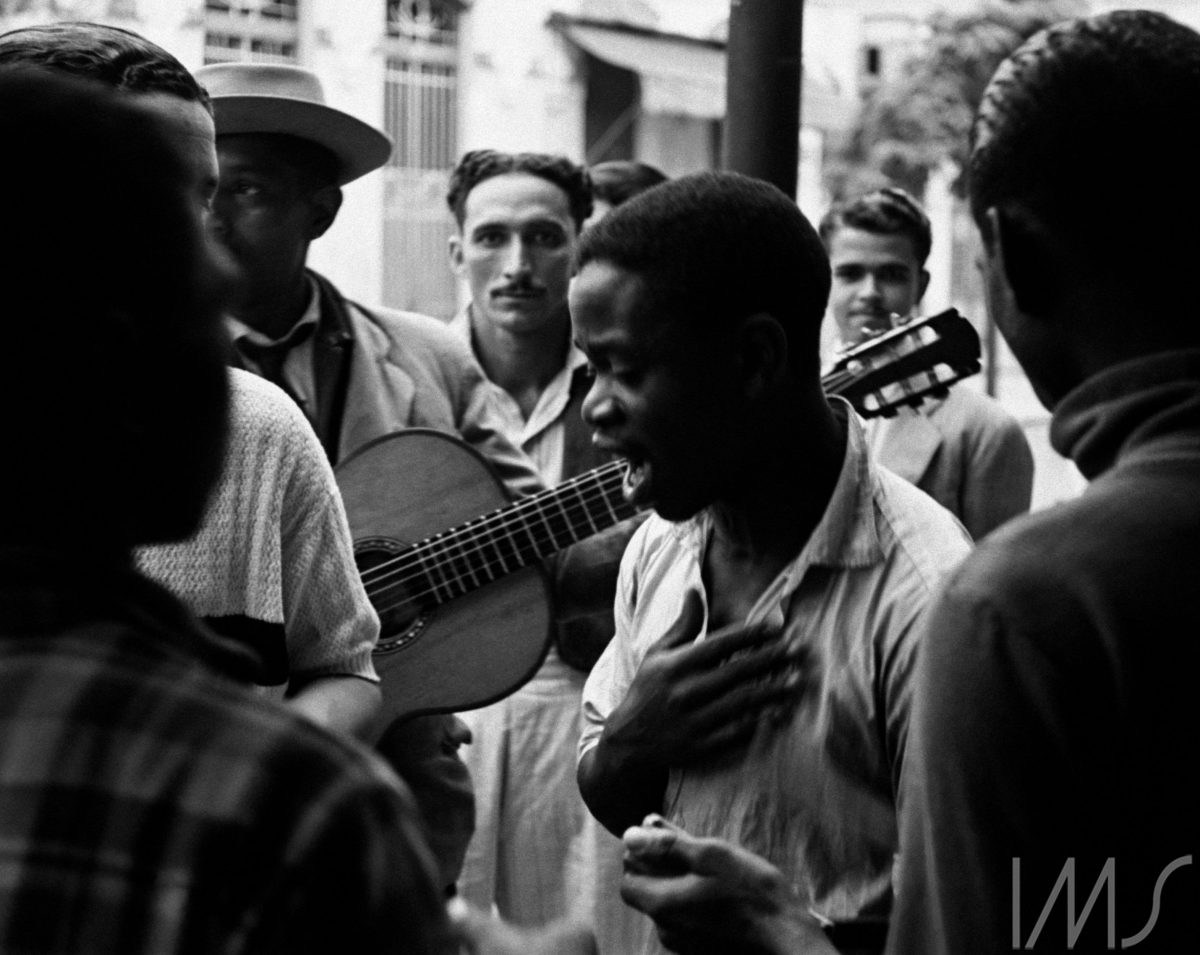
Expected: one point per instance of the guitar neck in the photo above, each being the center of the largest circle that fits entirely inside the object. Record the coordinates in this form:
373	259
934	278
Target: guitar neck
510	538
449	565
534	528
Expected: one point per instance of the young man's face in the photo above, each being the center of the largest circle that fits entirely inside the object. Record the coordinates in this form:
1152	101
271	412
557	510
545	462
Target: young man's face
662	398
875	276
515	249
265	215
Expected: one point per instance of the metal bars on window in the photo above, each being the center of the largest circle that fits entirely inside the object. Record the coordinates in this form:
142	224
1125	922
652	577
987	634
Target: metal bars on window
421	116
261	31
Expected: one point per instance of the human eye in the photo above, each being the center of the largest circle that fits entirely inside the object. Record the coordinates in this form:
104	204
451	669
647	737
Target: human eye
848	273
608	369
627	373
489	238
894	273
547	238
245	188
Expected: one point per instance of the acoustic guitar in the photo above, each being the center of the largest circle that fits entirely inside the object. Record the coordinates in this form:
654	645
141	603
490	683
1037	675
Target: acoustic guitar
455	570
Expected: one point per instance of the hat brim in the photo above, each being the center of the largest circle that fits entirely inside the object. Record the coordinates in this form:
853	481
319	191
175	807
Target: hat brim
359	147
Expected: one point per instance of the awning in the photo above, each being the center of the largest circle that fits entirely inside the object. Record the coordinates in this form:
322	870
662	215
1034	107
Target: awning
686	76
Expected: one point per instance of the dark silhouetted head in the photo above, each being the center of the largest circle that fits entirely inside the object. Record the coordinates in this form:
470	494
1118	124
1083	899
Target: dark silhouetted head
109	55
115	388
713	248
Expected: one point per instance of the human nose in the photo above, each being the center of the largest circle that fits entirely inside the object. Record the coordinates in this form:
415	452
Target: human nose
600	406
868	287
516	261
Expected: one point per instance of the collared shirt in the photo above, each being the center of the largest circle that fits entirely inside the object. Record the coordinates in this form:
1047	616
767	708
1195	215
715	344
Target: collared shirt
542	435
298	365
149	805
965	451
815	794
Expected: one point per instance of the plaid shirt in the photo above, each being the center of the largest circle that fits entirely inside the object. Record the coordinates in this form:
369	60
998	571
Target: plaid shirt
149	805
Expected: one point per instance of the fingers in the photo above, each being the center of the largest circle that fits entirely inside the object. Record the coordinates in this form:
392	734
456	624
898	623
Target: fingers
776	661
682	718
660	847
722	644
727	704
745	704
651	850
659	895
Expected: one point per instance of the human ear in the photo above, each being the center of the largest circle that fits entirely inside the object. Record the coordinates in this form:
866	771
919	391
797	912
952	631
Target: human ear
456	253
922	285
1025	256
325	203
762	348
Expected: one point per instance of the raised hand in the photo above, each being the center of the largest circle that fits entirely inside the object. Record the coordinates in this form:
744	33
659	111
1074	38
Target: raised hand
687	701
692	699
710	896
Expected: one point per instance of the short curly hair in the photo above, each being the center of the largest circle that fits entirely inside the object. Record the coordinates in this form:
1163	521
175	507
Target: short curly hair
119	59
480	164
619	180
712	248
889	211
1079	125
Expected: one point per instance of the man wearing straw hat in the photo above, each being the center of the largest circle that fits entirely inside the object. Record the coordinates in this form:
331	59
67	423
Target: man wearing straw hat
358	373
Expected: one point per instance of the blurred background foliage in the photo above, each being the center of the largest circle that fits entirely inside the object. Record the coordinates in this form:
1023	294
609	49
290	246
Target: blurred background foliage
921	120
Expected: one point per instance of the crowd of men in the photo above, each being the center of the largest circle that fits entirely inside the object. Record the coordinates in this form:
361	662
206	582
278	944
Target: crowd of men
832	689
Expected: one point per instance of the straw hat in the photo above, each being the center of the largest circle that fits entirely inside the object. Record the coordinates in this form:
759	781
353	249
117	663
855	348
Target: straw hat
268	98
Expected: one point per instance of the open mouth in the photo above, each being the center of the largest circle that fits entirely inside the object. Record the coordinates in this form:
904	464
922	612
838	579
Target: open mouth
872	323
636	486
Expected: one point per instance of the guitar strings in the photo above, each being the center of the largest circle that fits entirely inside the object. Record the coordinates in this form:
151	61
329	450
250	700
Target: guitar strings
453	578
530	518
605	479
833	383
473	538
535	528
437	559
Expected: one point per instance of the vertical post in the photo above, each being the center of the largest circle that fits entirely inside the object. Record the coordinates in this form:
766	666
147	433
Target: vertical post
762	90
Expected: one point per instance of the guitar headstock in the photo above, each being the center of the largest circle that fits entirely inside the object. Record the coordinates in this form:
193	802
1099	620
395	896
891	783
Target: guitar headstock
904	366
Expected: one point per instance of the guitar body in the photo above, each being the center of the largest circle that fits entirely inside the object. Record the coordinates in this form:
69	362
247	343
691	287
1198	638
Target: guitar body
476	648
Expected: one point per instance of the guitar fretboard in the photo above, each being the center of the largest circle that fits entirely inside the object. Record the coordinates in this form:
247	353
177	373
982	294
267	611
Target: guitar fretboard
459	560
910	362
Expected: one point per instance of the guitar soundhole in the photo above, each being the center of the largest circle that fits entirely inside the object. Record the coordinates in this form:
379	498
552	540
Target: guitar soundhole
397	592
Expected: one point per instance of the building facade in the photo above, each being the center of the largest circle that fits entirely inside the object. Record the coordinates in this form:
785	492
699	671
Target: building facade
591	79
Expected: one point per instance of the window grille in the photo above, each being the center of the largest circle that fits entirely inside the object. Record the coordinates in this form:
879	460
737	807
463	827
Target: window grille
261	31
421	116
